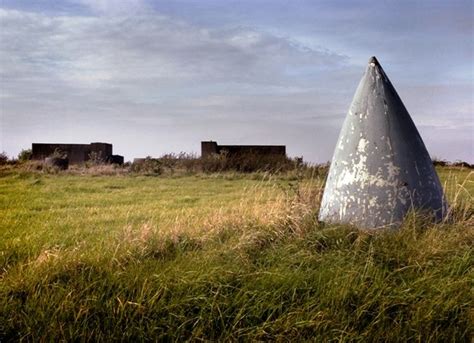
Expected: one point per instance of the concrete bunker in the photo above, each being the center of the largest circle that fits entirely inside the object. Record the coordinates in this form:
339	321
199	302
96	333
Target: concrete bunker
77	153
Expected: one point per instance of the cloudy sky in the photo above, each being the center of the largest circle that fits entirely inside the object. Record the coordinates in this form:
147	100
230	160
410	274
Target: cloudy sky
153	77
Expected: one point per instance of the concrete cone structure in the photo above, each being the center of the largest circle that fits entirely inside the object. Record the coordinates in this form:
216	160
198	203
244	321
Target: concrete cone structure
380	168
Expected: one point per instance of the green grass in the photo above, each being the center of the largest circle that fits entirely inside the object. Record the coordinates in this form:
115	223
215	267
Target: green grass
223	257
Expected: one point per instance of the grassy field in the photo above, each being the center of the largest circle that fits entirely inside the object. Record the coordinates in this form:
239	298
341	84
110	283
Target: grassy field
223	257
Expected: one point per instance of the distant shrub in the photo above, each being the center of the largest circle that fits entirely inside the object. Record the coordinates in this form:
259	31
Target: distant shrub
3	158
462	164
58	160
25	155
214	163
147	166
458	163
182	162
95	159
439	162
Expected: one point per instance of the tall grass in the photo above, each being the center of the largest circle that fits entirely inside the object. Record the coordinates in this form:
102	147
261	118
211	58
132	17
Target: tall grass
244	260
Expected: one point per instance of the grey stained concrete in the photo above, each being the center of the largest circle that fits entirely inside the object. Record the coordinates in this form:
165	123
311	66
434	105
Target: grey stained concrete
380	168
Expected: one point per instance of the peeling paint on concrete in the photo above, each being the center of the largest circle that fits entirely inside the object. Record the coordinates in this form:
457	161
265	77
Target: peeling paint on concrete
381	168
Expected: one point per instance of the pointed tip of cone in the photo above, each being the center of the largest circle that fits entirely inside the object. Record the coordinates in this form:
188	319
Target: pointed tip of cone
373	61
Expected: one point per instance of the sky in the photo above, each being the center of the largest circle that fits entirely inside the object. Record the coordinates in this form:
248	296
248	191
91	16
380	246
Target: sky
154	77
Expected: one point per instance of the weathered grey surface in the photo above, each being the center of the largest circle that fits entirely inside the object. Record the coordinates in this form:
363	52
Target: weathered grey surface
380	168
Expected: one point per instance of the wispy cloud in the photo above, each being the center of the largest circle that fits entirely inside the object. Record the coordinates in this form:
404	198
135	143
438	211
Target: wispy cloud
115	7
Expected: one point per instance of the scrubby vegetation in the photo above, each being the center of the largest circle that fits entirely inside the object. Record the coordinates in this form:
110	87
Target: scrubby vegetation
168	164
217	163
443	163
223	256
3	158
182	164
25	155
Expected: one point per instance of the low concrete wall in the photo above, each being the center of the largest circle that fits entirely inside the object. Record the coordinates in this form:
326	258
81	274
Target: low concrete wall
209	147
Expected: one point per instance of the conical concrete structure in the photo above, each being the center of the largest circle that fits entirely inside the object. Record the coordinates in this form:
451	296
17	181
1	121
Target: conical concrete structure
380	168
